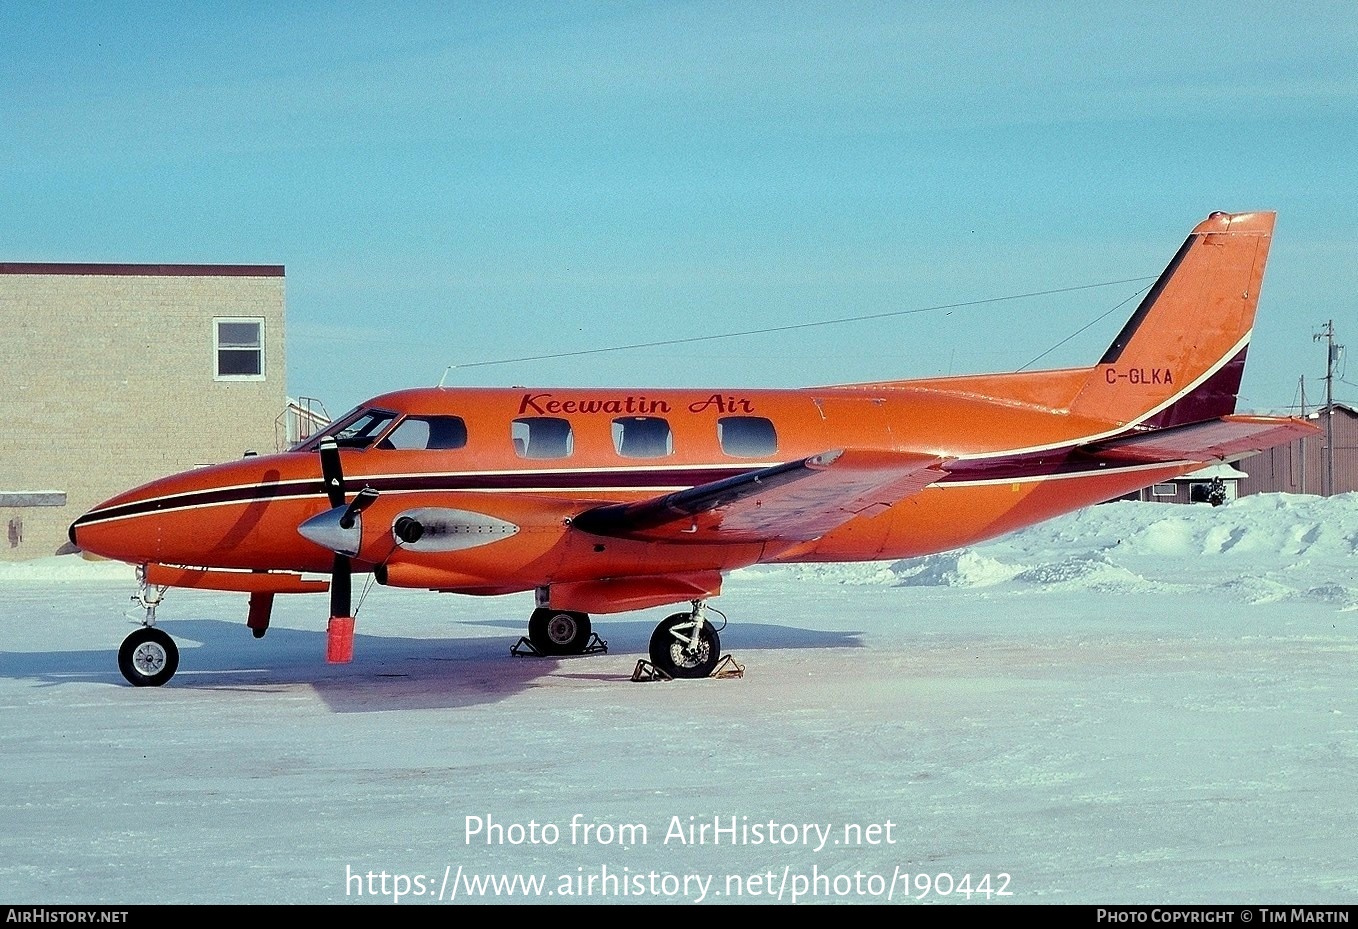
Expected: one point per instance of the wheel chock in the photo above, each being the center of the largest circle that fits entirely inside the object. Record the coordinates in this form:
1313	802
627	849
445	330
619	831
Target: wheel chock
524	648
728	667
645	671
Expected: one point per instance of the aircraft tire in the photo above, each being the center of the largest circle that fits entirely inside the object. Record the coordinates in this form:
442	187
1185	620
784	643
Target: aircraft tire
148	657
667	652
558	632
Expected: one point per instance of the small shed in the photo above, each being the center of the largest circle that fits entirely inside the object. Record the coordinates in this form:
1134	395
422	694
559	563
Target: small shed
1196	486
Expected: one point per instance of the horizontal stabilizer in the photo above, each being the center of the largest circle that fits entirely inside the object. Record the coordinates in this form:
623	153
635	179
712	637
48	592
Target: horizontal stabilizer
794	502
1226	438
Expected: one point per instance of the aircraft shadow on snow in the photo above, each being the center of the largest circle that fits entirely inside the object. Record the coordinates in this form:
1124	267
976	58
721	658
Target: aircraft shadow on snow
389	672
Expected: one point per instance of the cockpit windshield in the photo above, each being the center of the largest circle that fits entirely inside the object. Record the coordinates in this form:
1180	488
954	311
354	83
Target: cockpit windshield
356	429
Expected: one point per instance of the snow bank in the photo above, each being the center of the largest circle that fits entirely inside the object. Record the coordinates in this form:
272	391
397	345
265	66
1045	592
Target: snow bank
1256	543
1267	524
965	567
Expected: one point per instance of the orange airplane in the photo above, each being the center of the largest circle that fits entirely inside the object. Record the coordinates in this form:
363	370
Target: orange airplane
610	500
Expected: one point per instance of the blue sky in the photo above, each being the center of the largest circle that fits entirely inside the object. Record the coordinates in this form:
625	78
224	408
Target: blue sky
453	183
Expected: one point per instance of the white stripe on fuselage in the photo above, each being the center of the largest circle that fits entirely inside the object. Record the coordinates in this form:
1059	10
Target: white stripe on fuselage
548	489
1119	430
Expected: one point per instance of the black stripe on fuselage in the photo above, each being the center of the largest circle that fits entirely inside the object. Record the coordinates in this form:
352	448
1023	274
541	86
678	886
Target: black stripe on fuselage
540	481
1065	462
248	493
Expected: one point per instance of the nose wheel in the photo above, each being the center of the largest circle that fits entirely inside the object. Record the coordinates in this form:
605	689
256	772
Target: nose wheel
148	657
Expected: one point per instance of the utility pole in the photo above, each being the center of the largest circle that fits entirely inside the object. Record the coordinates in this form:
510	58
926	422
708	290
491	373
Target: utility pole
1331	356
1302	444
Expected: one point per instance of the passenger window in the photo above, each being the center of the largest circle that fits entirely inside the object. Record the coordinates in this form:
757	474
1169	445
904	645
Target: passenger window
421	432
642	437
747	436
542	437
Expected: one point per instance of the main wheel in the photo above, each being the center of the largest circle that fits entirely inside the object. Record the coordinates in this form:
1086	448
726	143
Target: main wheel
558	632
676	656
148	657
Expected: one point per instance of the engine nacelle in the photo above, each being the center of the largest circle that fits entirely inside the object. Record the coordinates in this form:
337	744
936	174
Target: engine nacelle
440	529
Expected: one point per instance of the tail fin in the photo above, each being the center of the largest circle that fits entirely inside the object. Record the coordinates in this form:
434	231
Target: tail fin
1180	357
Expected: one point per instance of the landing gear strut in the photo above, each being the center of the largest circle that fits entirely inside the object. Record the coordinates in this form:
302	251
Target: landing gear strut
148	657
686	644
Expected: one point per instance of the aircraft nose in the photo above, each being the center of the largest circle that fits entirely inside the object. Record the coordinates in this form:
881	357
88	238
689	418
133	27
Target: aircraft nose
157	521
96	539
104	531
239	514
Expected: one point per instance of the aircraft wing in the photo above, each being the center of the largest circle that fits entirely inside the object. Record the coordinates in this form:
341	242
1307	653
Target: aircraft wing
794	502
1229	437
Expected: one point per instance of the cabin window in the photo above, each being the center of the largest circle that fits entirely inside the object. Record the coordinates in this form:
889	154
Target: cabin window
427	432
643	437
542	437
747	436
355	431
238	343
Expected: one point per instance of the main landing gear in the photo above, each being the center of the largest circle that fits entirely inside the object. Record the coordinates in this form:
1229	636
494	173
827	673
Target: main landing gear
686	644
148	657
558	633
683	645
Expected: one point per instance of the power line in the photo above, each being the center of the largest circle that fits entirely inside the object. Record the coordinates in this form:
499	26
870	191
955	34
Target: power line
797	326
1088	324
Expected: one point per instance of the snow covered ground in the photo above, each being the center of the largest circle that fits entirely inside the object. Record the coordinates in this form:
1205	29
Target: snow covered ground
1135	704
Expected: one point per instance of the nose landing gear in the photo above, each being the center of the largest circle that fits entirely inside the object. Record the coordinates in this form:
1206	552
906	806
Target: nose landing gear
148	657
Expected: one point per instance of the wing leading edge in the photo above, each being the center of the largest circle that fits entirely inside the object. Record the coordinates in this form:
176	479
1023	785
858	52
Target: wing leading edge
793	502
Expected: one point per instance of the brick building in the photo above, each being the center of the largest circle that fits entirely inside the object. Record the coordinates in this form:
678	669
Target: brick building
117	374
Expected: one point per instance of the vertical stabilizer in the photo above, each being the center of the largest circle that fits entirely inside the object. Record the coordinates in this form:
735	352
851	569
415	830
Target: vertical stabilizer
1180	357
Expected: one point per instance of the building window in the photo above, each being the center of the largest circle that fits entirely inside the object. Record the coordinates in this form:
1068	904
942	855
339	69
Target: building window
239	347
1165	490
